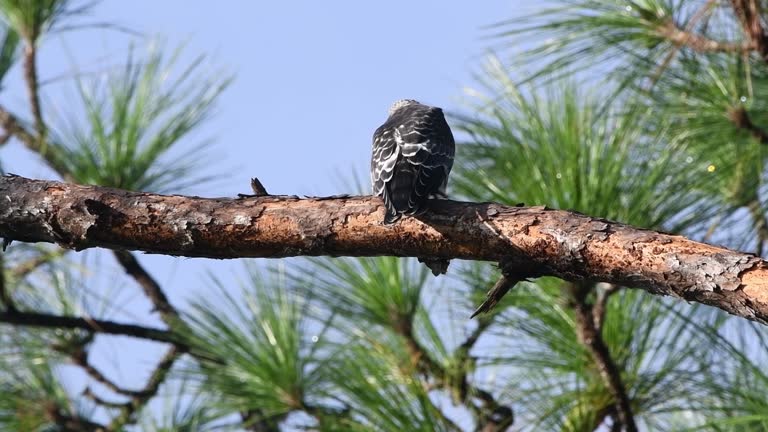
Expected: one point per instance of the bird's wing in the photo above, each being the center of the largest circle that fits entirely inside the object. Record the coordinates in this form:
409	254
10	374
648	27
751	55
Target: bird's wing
384	157
426	143
412	157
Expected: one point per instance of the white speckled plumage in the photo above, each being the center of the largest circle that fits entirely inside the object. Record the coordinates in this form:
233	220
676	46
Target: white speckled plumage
412	157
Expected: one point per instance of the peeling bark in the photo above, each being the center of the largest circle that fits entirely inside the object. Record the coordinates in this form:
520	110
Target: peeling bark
568	245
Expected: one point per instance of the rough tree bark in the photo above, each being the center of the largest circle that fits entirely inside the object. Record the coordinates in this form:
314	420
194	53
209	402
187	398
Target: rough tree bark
559	243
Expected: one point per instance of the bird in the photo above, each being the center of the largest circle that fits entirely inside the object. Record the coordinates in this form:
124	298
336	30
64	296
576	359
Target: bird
411	159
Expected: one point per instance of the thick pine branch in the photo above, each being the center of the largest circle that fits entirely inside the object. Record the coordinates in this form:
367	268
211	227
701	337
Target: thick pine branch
565	244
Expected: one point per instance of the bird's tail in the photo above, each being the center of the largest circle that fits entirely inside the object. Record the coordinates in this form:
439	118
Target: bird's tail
399	194
437	265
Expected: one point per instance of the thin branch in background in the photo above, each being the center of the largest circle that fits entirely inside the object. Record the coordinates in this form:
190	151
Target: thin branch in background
604	291
68	422
88	393
29	266
34	319
697	42
143	396
80	358
492	415
686	37
761	225
12	126
151	288
170	316
749	14
5	297
592	339
33	90
740	118
482	325
131	265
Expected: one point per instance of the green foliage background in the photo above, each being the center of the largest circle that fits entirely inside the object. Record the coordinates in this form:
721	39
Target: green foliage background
618	111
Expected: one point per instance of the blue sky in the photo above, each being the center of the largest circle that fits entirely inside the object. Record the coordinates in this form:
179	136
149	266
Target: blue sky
313	80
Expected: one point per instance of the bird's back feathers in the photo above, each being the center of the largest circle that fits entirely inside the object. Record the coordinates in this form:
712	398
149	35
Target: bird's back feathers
412	157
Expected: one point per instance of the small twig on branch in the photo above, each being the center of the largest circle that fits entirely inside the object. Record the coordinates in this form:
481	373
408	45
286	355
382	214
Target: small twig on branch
512	272
499	289
590	336
258	190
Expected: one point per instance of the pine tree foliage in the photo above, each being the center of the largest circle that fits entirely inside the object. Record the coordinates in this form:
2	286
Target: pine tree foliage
649	112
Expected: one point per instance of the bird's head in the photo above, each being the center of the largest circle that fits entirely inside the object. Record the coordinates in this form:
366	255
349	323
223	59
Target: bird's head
400	104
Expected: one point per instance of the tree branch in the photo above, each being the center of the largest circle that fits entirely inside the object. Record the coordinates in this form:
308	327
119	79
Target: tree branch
149	285
30	77
565	244
589	335
740	118
761	225
80	357
149	391
6	300
13	126
699	43
69	422
598	310
750	15
126	259
34	319
87	392
492	416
